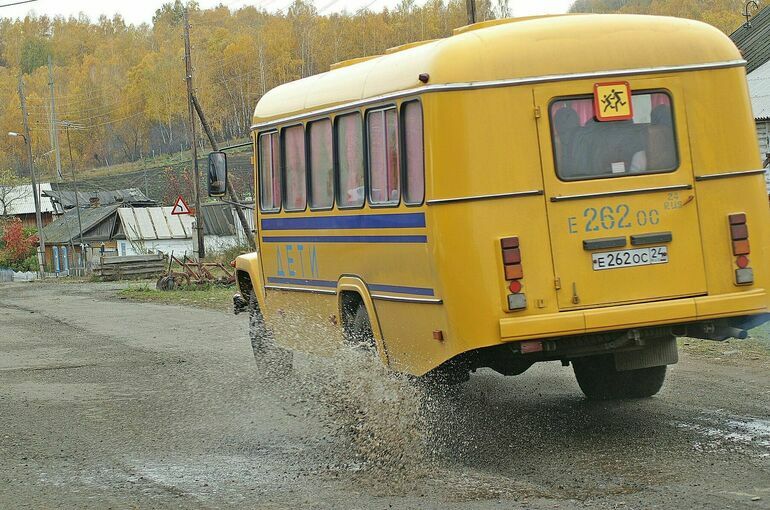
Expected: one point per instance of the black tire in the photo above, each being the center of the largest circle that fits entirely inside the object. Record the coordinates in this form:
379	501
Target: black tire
271	360
600	380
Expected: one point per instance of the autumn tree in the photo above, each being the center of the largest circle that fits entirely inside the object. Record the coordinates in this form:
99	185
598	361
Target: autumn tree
17	246
723	14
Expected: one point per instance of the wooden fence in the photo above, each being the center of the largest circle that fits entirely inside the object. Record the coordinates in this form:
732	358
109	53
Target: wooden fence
131	267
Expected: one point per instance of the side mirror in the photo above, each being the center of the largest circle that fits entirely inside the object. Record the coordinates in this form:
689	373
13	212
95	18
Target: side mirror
217	175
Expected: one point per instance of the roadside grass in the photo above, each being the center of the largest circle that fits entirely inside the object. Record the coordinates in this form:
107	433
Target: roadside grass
755	348
214	297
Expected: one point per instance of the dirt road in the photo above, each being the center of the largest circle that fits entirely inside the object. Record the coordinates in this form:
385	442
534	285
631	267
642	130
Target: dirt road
108	403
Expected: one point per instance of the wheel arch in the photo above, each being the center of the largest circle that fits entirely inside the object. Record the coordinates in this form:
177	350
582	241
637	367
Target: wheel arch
248	275
352	290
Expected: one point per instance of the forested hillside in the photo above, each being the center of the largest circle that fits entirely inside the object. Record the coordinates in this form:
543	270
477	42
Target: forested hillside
125	84
723	14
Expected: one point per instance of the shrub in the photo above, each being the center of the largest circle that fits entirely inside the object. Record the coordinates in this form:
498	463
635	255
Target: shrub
18	246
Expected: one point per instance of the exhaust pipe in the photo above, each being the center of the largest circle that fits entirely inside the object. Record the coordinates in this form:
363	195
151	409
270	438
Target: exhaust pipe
719	331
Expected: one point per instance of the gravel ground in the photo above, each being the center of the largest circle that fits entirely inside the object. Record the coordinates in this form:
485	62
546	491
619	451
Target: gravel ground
106	403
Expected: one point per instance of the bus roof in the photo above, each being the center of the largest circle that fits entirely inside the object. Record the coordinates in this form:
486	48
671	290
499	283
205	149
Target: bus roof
524	48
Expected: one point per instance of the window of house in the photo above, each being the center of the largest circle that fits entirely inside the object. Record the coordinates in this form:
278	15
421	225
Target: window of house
384	168
414	154
269	176
321	165
585	148
350	158
294	168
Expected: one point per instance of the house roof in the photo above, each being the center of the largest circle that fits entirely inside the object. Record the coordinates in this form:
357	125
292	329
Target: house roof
20	200
754	41
151	223
131	196
512	49
218	219
759	88
157	223
65	227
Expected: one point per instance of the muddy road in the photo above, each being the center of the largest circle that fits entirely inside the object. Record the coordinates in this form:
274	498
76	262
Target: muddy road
109	403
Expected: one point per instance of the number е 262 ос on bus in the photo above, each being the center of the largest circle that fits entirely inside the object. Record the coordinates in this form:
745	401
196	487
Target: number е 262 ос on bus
595	219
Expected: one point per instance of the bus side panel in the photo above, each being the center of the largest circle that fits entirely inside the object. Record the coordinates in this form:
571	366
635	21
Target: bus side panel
723	139
408	331
400	270
484	142
304	321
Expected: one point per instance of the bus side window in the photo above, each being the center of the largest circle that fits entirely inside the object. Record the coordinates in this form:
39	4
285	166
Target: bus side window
269	176
293	140
414	156
350	160
321	165
384	172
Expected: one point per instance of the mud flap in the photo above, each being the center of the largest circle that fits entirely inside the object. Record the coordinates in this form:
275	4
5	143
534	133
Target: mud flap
657	353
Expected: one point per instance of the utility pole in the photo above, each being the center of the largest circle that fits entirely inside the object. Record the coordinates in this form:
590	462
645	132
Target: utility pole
235	198
54	127
470	6
67	126
57	153
193	139
38	216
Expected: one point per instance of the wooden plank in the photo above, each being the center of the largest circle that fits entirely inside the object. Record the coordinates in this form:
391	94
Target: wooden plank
132	258
113	269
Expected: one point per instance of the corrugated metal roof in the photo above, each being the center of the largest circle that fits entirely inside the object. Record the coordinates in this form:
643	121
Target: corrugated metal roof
152	223
754	41
759	88
218	219
20	200
65	227
132	196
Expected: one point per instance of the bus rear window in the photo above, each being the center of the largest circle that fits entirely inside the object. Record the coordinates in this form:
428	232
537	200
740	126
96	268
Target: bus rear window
585	148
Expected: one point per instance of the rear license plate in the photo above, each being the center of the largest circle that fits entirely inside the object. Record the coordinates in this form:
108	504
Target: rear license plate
630	258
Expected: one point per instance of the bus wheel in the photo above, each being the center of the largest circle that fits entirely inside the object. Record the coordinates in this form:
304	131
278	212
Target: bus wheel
271	359
360	334
600	380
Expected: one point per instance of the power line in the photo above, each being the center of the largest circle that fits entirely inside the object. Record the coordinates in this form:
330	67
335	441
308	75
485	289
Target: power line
18	3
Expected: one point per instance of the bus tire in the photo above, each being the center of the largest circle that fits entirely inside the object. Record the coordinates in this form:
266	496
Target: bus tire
360	333
600	380
271	360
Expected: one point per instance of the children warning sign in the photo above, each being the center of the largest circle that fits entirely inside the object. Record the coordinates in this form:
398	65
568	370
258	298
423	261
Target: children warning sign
612	101
180	207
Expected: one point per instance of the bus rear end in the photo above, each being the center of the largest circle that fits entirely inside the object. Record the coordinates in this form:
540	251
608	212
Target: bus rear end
657	219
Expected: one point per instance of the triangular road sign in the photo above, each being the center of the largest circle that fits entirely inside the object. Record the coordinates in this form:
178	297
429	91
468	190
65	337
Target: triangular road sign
180	207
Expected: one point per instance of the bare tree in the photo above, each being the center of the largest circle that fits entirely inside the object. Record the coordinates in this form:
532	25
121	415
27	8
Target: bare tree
11	191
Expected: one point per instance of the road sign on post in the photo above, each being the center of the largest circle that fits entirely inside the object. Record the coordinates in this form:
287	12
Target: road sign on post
180	207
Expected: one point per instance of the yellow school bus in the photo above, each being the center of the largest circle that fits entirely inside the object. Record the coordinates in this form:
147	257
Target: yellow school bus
582	188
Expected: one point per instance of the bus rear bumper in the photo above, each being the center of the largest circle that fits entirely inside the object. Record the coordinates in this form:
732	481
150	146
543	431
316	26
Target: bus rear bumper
594	320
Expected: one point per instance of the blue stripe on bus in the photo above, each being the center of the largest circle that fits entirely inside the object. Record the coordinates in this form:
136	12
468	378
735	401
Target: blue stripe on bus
345	239
398	289
357	221
395	289
302	281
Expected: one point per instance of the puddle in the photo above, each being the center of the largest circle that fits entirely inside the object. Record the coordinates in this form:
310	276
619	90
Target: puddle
723	432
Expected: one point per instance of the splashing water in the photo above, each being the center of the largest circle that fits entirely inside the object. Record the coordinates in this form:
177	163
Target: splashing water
380	417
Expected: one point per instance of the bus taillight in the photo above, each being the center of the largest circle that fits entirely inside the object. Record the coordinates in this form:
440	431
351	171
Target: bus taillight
514	272
739	235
